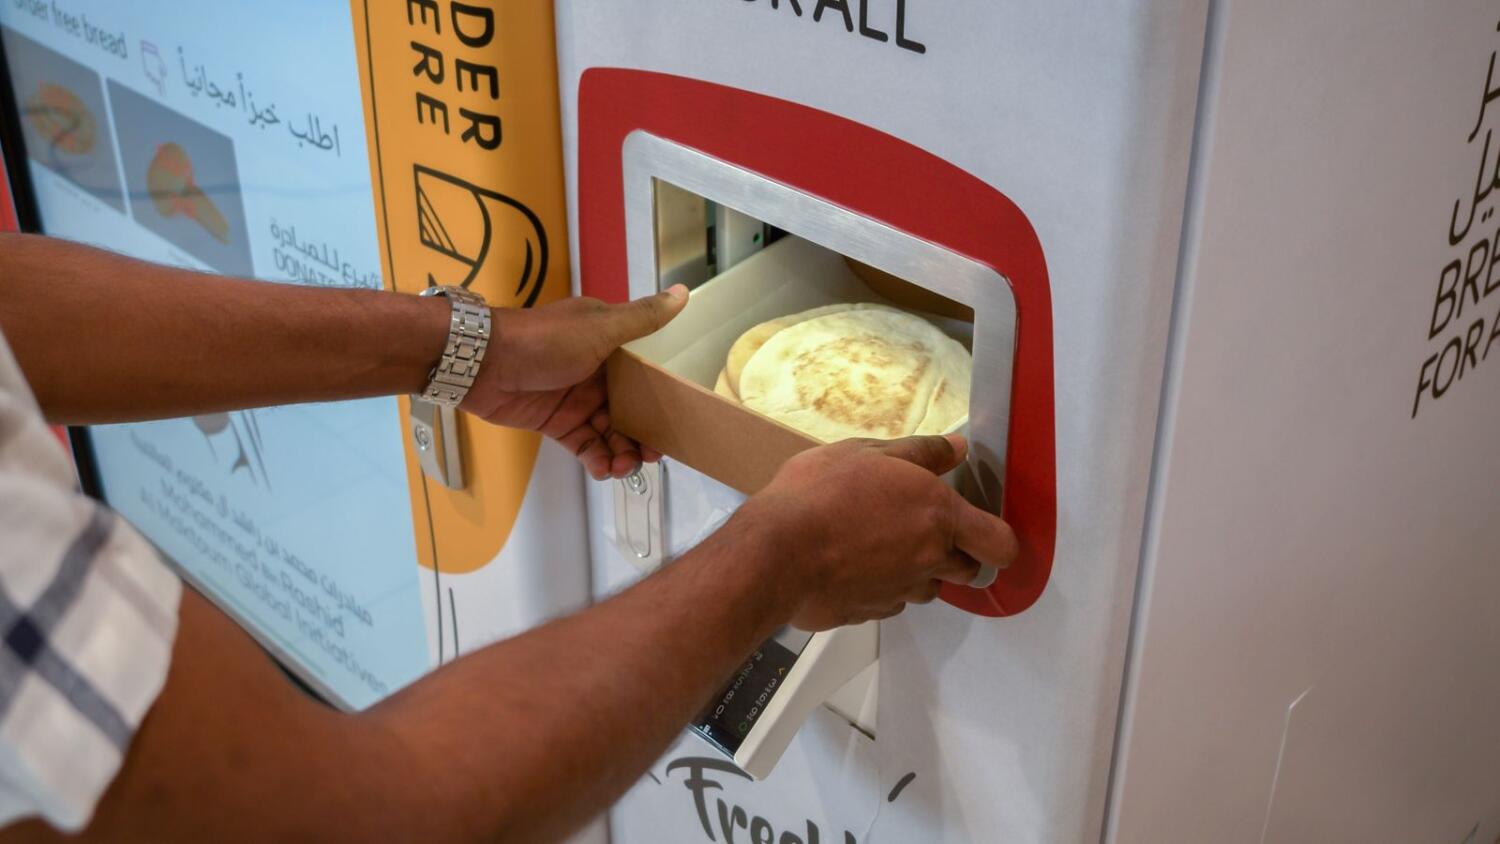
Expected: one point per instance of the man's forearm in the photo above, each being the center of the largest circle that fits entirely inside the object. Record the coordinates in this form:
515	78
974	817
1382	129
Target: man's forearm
529	738
105	338
524	740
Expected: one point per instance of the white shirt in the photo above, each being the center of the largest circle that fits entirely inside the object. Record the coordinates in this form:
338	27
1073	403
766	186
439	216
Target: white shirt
88	612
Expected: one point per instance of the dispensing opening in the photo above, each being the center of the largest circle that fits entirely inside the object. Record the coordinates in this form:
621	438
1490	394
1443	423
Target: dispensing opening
747	271
754	249
698	239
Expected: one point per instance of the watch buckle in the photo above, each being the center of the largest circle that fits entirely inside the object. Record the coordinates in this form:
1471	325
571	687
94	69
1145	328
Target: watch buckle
434	432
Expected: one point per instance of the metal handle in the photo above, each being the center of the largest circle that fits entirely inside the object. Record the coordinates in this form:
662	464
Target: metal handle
434	432
638	517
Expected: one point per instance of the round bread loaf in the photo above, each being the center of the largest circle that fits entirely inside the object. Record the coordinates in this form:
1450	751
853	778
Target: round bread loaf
873	371
722	387
751	341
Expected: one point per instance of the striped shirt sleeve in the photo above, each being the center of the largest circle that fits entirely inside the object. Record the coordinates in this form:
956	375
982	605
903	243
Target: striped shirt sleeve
88	614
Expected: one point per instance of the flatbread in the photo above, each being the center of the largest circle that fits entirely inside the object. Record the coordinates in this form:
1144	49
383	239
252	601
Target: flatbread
949	404
751	341
722	386
867	372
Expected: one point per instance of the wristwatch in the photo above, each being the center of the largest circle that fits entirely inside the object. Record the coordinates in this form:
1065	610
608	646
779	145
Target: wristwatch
468	337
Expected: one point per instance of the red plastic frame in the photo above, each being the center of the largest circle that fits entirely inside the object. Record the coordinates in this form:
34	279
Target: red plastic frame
8	222
877	176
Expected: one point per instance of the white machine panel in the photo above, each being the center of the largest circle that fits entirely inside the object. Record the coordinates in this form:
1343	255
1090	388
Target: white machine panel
1317	654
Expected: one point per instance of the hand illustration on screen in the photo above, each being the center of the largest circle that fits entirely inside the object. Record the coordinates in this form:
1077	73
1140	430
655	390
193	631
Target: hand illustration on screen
62	119
245	430
169	179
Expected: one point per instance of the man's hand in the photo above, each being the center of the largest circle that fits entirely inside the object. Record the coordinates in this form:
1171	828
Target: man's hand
865	527
544	372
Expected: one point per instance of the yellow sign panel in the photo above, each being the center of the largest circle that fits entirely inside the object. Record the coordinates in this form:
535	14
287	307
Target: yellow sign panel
466	153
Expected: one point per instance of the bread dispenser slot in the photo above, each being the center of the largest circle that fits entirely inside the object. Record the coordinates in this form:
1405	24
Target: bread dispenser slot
810	253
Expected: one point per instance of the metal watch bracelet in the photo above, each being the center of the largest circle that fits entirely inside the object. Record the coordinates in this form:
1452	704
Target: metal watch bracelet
468	337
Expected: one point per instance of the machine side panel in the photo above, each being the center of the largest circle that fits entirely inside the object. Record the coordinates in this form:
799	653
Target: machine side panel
1316	656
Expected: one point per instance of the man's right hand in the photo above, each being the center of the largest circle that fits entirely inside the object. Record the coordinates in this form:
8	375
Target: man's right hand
865	527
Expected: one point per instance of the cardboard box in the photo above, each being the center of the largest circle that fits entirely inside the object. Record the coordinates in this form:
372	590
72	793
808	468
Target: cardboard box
661	386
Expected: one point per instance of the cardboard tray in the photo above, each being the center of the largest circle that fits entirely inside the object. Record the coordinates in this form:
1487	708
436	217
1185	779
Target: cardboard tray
661	386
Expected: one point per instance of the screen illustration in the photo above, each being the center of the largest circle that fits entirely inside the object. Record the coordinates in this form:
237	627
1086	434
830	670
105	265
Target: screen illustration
174	192
63	117
184	181
60	117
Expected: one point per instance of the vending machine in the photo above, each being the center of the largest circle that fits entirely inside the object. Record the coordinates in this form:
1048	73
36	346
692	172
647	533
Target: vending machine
1224	271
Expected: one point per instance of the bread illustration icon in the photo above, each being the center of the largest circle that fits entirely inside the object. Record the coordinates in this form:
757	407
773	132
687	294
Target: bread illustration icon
169	180
475	233
59	116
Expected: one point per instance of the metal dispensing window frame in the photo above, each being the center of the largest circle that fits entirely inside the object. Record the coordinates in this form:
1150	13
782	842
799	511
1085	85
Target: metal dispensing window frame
877	183
649	159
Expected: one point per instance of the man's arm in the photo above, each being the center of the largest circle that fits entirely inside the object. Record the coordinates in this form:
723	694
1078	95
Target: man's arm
522	741
105	338
528	739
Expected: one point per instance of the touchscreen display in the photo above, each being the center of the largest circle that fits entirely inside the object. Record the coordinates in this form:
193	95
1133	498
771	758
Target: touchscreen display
230	137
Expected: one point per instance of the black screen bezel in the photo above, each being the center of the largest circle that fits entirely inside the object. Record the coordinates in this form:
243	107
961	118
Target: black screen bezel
29	220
